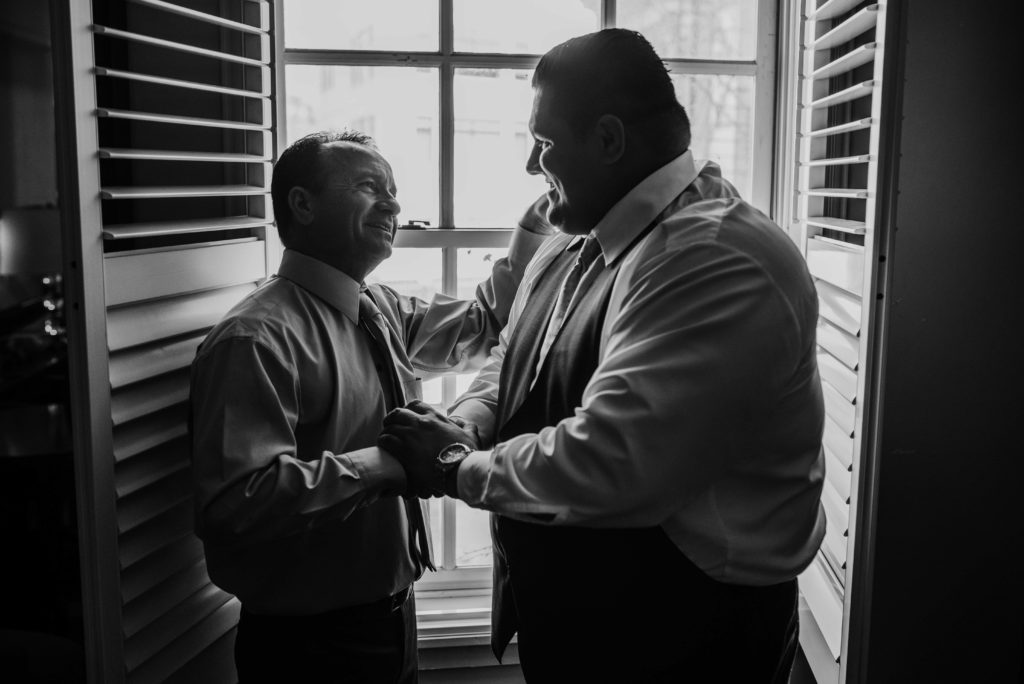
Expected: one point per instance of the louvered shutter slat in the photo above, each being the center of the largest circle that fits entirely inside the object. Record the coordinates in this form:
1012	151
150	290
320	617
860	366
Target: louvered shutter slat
195	639
154	117
129	326
144	540
177	83
160	633
133	276
839	344
148	607
149	468
146	504
164	228
848	62
140	363
180	47
847	30
146	398
181	191
147	433
261	28
159	567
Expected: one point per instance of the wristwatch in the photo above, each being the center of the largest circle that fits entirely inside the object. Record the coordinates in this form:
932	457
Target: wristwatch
447	462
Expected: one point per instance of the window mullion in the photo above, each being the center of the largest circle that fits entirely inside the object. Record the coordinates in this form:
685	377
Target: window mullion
447	127
448	547
764	104
607	13
449	286
447	146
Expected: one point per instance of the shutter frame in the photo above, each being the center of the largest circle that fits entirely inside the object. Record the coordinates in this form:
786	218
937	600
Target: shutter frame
165	181
837	120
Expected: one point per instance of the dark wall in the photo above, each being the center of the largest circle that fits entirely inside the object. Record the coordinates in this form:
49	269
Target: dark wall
947	603
28	171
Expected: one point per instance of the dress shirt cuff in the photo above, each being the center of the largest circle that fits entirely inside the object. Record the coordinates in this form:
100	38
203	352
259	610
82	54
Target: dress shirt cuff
378	469
473	411
472	477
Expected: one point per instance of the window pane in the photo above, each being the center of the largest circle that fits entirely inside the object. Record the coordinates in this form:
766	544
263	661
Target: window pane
526	27
472	536
398	106
702	29
721	110
474	266
361	25
415	272
492	144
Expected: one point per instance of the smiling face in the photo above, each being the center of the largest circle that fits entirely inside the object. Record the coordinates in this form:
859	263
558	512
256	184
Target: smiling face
352	220
570	162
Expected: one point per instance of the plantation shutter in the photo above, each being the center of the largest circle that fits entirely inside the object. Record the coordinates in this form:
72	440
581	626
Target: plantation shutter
167	132
839	115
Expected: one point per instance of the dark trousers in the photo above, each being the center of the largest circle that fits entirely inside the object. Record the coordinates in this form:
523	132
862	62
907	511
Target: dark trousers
644	613
375	643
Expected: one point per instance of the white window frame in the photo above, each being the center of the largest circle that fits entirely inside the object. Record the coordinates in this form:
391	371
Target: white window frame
467	590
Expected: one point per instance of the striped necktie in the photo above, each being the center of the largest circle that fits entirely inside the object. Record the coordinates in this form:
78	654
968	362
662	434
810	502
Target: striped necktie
372	322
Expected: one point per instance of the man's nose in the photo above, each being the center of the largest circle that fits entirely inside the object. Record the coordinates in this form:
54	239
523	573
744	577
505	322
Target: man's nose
389	203
533	163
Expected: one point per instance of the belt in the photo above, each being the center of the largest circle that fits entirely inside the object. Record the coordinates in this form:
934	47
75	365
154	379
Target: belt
364	611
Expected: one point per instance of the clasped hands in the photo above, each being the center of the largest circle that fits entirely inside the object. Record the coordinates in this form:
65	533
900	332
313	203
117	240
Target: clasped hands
415	435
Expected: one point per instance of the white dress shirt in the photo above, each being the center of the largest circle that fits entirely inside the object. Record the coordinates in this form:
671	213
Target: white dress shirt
705	413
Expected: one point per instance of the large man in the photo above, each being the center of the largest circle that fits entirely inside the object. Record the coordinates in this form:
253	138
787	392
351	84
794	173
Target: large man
295	502
656	462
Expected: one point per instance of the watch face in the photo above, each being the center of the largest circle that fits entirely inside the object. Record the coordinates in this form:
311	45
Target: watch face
453	454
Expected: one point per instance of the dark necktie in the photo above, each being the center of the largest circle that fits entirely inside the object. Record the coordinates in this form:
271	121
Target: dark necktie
371	320
590	251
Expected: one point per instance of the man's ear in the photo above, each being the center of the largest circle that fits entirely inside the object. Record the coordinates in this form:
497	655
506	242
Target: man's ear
300	201
611	136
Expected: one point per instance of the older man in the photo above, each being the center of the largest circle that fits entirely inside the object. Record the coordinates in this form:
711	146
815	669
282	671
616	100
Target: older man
653	413
296	504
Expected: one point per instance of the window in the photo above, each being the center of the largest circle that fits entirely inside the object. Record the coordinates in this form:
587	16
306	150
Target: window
444	87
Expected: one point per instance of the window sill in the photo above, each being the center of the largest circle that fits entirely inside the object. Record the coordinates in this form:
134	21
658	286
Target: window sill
453	618
455	630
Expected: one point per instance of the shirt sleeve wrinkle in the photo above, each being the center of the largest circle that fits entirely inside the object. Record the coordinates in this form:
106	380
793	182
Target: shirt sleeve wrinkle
251	486
684	358
455	335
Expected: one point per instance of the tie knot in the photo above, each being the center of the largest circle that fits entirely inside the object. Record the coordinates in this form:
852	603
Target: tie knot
368	310
590	251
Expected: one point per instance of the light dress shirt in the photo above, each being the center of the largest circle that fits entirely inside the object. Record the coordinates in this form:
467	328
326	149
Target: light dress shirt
704	415
292	500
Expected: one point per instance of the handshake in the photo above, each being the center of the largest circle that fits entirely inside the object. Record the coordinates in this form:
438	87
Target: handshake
429	445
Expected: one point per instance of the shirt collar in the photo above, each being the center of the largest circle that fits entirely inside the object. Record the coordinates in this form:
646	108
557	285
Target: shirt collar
641	205
326	282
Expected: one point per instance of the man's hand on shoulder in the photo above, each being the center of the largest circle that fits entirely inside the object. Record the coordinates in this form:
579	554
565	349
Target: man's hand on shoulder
415	435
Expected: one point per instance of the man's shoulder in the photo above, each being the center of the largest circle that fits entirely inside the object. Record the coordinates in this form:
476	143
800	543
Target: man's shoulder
709	229
728	221
272	310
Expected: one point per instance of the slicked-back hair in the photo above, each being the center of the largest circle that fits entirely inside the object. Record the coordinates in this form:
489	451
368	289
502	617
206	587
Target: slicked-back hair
301	166
612	71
